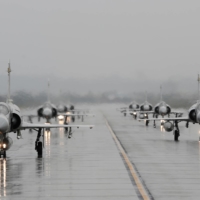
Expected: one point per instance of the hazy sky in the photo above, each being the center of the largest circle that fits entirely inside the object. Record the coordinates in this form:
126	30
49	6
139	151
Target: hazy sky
142	40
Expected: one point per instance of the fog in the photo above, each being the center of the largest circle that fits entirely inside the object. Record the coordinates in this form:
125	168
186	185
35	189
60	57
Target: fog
100	46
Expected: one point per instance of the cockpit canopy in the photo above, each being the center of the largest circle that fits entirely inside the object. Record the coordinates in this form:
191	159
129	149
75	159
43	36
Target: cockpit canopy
47	104
4	109
198	107
162	103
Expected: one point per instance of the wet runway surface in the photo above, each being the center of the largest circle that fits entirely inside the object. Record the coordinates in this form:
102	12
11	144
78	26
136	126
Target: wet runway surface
90	165
168	169
87	166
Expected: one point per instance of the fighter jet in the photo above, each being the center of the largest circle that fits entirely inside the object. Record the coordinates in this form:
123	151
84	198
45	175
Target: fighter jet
143	110
132	107
11	121
193	116
47	110
68	111
162	109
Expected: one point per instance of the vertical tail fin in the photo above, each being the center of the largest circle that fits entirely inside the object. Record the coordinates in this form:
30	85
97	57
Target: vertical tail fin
198	79
146	95
161	96
48	91
9	71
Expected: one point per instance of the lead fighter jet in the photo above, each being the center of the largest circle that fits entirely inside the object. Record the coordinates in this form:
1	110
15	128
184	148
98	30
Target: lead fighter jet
11	121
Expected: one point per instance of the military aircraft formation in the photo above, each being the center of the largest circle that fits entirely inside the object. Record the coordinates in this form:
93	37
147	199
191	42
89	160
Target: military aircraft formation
163	110
11	120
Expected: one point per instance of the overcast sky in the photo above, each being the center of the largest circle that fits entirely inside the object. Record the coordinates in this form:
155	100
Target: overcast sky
146	41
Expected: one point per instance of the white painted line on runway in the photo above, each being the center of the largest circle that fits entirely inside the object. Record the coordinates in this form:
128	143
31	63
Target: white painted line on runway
140	186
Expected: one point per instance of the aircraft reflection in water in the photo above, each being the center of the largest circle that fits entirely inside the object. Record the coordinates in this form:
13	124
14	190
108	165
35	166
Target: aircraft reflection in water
11	121
3	177
47	167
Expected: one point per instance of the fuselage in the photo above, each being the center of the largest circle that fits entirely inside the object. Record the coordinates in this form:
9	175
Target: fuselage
10	121
47	111
134	106
162	109
146	106
61	108
194	113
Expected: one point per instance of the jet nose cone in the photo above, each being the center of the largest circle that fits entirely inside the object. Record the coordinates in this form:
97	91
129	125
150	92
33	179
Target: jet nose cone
47	112
61	109
163	110
146	107
4	125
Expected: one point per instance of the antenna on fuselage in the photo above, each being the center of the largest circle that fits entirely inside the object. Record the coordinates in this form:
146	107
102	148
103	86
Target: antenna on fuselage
9	71
198	87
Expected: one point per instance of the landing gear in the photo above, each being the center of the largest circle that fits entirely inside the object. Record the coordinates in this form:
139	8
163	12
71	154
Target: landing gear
154	124
176	131
147	121
38	144
124	114
73	119
176	135
70	132
39	149
3	153
135	116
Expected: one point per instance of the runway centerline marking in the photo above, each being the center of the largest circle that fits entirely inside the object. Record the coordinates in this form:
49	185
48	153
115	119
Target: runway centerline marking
129	164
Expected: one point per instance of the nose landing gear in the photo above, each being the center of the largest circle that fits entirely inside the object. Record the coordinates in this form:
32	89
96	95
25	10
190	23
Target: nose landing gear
38	144
3	153
176	131
154	123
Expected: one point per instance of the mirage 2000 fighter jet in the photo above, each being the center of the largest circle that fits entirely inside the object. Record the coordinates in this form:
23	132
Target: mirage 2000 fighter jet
161	109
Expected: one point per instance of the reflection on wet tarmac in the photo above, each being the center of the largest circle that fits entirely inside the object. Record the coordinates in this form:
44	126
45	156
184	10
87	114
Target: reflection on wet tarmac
162	129
3	177
47	136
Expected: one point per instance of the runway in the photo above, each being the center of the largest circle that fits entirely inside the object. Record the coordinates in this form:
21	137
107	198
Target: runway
91	165
87	166
168	169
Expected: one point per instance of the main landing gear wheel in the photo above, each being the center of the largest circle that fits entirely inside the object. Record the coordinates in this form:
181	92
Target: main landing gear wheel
39	149
4	154
154	124
176	135
70	133
147	122
38	143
